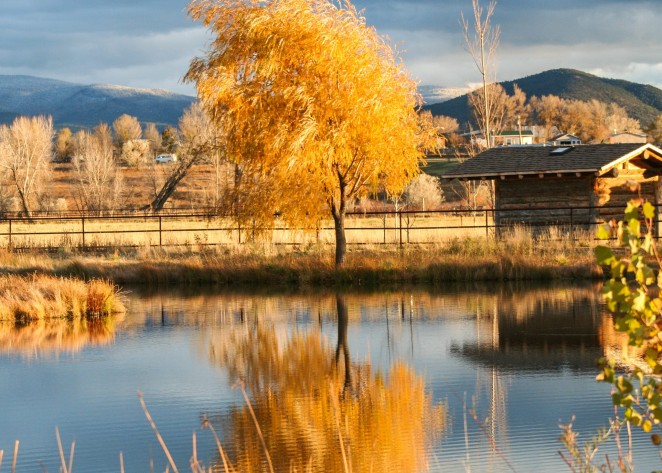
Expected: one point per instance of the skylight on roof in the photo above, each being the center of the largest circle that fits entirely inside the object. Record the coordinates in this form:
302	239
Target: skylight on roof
562	150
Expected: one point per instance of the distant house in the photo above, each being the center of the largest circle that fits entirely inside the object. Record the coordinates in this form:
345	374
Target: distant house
627	137
538	185
513	137
565	139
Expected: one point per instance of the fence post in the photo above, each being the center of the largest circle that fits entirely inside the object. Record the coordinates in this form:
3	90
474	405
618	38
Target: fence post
239	231
487	228
572	226
160	242
10	245
400	222
384	225
82	220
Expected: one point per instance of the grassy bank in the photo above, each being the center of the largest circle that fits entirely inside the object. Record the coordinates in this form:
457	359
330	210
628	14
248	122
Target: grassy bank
518	257
42	296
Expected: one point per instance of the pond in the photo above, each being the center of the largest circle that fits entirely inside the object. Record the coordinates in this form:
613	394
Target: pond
455	379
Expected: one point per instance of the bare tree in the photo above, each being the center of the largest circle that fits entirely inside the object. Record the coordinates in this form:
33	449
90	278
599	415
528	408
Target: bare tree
424	191
136	152
152	135
199	140
26	147
99	180
482	41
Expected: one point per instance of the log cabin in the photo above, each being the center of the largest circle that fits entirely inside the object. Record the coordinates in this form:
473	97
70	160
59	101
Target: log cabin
538	186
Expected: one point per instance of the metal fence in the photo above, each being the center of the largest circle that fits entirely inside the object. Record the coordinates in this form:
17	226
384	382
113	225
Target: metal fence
186	228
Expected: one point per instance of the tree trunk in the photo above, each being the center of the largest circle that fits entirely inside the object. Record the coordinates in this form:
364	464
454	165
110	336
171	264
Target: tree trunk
342	345
341	241
170	185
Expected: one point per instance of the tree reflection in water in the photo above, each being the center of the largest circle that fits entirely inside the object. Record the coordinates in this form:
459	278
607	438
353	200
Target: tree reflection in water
318	410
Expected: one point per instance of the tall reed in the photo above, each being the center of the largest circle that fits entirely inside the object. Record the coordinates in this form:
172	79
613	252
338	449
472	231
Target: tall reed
40	296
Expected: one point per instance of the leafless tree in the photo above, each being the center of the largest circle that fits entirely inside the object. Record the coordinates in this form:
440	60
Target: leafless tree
136	153
482	41
424	192
99	180
200	141
152	135
26	146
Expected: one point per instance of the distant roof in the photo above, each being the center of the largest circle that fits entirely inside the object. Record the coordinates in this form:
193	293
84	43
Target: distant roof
521	160
640	135
514	133
564	135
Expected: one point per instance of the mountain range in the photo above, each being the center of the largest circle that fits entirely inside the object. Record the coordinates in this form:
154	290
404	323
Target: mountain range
641	101
85	106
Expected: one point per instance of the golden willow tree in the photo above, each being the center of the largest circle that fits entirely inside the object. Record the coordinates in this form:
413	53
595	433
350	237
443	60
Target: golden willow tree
316	106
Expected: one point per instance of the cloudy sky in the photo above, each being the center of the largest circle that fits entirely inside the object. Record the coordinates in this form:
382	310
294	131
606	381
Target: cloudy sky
149	43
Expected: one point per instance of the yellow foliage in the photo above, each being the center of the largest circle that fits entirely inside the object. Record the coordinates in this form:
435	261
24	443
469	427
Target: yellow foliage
316	106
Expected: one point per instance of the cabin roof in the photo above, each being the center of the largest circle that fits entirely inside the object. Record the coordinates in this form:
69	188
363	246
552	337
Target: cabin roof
531	160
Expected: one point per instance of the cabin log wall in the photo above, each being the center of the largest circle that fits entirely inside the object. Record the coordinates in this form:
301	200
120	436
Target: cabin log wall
524	201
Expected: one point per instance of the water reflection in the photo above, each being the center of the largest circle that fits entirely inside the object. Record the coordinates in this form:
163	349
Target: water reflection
53	336
318	410
318	368
538	329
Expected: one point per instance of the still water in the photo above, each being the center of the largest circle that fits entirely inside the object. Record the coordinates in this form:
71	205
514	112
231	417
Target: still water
460	379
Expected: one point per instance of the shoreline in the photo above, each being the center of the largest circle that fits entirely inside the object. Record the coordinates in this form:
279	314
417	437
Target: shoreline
313	269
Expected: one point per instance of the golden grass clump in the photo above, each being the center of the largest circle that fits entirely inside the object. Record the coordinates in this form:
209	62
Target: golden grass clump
36	297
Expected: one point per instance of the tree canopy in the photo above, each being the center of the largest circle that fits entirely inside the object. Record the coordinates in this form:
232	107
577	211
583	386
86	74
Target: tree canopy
317	107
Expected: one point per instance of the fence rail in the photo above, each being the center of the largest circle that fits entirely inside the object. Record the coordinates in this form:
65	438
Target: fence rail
188	228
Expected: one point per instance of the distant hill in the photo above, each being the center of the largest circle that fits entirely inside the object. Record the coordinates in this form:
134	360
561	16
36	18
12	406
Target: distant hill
85	106
643	102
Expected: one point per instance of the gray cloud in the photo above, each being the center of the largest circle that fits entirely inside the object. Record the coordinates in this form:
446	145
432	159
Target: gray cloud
149	43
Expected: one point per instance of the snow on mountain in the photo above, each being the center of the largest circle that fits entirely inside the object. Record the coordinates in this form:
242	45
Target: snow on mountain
437	94
85	106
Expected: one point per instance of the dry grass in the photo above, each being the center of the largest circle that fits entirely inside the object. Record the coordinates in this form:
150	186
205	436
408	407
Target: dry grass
40	296
516	255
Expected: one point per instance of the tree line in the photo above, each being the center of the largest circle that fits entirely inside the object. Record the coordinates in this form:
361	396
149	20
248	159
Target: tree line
591	121
97	157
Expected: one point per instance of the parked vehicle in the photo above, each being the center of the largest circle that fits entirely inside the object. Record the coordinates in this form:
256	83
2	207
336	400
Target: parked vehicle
166	158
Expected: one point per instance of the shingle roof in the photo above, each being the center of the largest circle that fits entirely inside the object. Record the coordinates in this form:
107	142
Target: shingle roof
514	160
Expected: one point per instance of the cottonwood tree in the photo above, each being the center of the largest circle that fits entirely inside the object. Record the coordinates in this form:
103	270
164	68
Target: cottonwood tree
591	120
482	40
63	144
316	106
26	146
126	128
169	140
654	130
99	182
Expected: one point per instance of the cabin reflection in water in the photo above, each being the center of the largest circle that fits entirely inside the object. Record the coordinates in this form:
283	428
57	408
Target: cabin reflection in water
538	330
543	329
54	336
